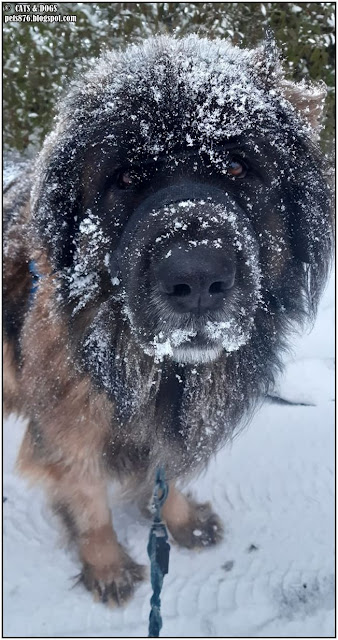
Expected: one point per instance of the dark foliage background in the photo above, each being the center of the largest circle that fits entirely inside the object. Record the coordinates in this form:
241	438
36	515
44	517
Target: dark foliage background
40	58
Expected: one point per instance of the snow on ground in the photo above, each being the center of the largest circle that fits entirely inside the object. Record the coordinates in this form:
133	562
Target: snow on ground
274	487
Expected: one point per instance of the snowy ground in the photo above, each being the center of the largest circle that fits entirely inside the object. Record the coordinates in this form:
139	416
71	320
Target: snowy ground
274	573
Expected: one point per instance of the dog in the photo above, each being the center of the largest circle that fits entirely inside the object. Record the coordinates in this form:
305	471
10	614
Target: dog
174	228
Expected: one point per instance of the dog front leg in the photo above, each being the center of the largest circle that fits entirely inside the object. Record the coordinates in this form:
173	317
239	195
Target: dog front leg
192	524
79	496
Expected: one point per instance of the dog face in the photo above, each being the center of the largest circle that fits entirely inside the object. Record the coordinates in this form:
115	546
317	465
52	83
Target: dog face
187	258
185	197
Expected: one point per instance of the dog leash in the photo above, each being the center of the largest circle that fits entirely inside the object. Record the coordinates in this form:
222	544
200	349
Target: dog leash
158	552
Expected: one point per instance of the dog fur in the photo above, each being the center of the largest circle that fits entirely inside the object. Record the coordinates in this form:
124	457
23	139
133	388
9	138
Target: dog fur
113	382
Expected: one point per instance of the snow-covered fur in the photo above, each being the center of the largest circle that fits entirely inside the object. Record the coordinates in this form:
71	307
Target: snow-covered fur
175	157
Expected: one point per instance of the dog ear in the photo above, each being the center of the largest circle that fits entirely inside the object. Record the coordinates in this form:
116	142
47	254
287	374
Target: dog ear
308	99
266	62
57	205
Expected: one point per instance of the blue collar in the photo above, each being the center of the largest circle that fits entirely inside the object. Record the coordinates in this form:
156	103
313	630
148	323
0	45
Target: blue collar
36	275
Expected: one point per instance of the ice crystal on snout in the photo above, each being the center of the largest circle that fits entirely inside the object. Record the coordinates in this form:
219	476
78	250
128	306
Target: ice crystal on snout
231	332
163	346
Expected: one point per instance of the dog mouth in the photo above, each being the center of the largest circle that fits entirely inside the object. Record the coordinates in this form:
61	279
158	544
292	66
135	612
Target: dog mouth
190	337
183	346
202	341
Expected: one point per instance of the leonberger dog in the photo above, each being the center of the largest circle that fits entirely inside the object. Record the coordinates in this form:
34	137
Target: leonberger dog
175	227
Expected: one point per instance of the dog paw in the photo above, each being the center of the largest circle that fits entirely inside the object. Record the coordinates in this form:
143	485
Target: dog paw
113	585
203	529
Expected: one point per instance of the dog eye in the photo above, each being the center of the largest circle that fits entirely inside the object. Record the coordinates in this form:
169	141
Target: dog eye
236	169
124	179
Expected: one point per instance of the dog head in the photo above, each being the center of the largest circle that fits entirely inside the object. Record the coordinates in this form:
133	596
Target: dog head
183	188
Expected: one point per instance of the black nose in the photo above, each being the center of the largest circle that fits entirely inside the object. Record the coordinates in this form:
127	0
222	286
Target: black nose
196	279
